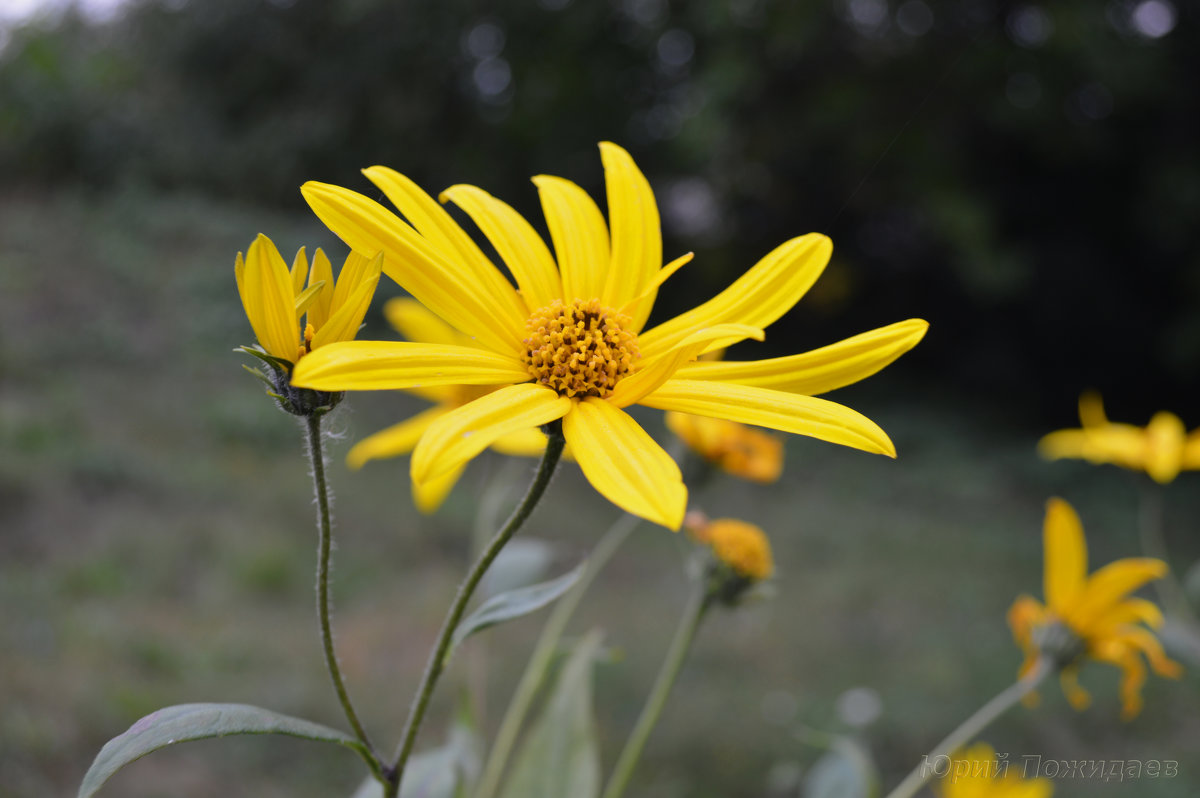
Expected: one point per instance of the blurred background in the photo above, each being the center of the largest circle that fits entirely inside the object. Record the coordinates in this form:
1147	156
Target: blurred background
1023	175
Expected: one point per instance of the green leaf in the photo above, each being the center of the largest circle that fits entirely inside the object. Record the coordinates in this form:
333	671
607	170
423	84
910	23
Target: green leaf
514	604
844	771
185	722
521	563
561	756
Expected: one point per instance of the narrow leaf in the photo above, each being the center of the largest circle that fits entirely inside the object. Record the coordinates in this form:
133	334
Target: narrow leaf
187	722
561	755
514	604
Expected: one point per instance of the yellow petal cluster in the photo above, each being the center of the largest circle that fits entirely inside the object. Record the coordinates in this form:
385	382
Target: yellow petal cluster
741	545
1162	448
1108	623
294	311
976	773
415	323
743	451
615	270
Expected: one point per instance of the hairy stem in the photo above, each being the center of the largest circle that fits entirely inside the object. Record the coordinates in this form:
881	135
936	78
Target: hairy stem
437	658
973	726
316	456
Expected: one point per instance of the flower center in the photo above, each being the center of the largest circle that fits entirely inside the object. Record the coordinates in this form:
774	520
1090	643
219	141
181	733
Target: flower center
579	349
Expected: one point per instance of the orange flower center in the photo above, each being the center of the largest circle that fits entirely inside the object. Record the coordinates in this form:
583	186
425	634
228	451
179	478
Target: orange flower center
579	349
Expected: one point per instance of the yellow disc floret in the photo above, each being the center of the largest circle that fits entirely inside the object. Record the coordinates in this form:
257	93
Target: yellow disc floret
579	349
741	546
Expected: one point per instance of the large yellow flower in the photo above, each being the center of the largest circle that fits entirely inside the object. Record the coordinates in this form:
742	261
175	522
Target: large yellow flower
1091	616
276	299
414	322
568	341
975	772
1162	449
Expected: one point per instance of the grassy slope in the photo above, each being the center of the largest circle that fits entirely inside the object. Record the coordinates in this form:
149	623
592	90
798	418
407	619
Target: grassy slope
156	547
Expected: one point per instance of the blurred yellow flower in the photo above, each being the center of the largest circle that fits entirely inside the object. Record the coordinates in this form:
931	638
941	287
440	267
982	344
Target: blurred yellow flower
1162	449
740	545
975	772
414	322
1091	616
276	299
567	343
734	448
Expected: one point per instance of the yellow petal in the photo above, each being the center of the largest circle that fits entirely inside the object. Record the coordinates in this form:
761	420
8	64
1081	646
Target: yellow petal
466	431
1165	437
348	315
1148	644
788	412
1064	443
638	308
387	365
270	304
307	298
1091	410
1066	555
447	288
321	272
394	441
1191	451
579	235
758	297
1108	586
239	271
529	442
439	228
1133	674
652	373
416	323
299	271
624	463
1135	610
1025	613
821	369
1079	698
519	245
428	496
636	232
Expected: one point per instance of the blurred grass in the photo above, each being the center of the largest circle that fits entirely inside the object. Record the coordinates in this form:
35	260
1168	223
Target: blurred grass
156	547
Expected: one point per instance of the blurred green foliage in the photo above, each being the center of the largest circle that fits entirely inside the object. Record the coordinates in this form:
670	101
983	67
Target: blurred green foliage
1022	174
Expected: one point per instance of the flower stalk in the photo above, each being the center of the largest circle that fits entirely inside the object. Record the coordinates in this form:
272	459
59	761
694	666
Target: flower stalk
325	545
543	654
1151	512
437	658
701	599
973	725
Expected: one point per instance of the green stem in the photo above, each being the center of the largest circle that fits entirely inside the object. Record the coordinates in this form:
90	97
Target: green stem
973	726
697	605
1154	544
325	529
437	658
543	654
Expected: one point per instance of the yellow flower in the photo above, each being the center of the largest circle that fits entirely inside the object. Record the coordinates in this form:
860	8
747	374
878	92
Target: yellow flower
276	298
734	448
415	323
975	772
1091	616
567	342
740	545
1162	449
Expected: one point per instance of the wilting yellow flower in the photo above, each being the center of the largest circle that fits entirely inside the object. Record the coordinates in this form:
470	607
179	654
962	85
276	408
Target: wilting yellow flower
568	341
975	772
276	299
1091	616
735	448
740	545
415	323
1162	449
